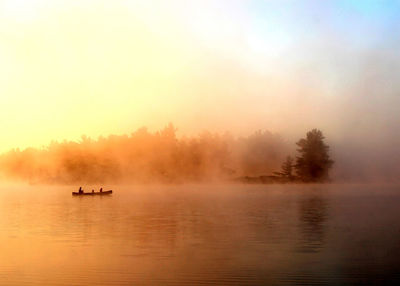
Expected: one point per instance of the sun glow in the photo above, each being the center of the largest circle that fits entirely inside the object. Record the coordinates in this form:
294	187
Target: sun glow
100	67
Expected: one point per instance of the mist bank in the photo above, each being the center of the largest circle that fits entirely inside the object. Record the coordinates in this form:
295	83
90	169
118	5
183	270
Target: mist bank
147	157
163	157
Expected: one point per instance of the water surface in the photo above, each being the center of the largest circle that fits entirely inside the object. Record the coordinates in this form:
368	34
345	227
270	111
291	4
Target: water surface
201	235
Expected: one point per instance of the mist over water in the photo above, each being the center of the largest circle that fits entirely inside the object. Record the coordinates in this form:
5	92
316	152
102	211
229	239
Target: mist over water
331	65
208	234
145	157
225	196
165	157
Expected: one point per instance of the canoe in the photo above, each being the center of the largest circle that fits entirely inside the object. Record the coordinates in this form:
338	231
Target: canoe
92	194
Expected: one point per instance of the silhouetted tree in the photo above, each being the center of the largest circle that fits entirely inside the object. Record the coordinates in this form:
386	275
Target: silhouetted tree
314	163
287	169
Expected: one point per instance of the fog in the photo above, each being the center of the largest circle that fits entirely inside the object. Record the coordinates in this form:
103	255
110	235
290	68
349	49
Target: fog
164	157
219	70
144	157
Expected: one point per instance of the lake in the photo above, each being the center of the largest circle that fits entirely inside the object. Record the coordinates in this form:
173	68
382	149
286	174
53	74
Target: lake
201	235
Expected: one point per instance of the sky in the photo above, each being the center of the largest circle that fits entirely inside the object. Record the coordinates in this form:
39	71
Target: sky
69	68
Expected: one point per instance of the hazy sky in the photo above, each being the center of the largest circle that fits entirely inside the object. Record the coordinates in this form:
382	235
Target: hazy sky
69	68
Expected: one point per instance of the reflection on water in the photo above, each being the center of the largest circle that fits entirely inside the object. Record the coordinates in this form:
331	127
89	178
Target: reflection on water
190	235
313	214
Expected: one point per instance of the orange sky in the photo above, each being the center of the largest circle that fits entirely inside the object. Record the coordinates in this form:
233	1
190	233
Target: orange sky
99	67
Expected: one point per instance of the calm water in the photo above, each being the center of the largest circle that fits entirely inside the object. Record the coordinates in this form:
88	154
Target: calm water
201	235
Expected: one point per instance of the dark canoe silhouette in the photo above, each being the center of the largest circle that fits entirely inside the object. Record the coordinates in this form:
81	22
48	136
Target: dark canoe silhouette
92	194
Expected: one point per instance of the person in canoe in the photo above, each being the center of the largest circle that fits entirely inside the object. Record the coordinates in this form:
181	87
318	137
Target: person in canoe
80	190
101	190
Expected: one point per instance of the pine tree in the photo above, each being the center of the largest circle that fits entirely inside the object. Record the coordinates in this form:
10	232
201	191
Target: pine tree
286	169
314	163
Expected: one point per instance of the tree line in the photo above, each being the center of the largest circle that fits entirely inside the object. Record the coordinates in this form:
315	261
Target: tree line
147	157
313	162
162	157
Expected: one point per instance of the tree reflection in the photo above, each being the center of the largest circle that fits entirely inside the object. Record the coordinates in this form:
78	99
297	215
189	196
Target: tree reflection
313	213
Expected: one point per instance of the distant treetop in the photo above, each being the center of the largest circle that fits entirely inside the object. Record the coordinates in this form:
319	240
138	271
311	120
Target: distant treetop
313	162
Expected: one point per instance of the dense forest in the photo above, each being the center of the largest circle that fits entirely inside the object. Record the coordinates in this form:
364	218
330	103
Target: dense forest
143	156
162	157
